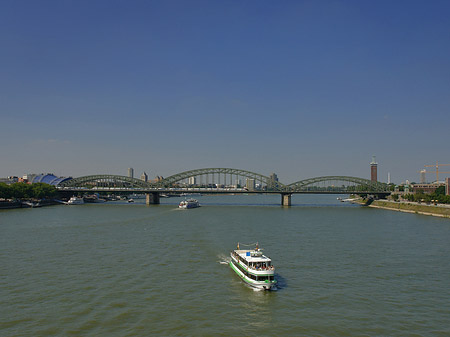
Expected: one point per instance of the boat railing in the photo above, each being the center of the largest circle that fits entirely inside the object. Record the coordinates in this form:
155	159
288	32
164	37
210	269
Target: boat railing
261	268
268	268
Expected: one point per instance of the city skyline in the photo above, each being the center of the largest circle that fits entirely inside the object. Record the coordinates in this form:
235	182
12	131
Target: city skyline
299	88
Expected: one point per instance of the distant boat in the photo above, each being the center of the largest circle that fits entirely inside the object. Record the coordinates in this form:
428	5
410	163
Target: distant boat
130	200
75	201
93	199
31	204
190	203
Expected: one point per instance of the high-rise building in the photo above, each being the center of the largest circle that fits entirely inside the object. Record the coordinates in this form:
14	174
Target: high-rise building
192	180
250	184
423	176
273	182
273	177
130	172
144	177
373	170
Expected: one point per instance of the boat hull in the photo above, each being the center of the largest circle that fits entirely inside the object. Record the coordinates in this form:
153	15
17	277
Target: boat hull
263	285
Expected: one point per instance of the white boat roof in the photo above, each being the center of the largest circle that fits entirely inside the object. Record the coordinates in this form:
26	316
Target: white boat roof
243	254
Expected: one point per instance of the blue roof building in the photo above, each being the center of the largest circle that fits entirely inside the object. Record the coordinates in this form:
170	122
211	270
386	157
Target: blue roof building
49	178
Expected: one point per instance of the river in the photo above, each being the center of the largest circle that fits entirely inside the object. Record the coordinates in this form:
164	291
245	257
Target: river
128	269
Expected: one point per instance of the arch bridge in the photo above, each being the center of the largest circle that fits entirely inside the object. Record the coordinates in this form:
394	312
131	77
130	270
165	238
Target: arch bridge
224	180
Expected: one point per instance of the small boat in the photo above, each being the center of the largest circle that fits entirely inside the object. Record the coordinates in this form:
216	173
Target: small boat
254	268
93	199
75	201
189	203
130	200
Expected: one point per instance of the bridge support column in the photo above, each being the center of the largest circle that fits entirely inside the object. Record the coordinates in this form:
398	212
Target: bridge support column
286	199
152	198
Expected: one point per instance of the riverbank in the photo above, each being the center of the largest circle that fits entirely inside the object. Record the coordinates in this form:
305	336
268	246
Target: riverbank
7	204
412	207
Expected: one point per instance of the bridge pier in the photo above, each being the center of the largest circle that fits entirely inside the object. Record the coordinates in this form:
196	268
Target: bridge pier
286	199
152	198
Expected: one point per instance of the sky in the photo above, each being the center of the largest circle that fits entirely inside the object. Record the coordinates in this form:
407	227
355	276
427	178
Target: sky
299	88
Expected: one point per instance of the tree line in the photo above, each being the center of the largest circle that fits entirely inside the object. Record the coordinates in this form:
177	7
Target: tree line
27	191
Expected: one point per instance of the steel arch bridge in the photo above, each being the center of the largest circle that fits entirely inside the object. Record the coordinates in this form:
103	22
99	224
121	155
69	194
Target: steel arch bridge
179	177
326	184
344	184
105	180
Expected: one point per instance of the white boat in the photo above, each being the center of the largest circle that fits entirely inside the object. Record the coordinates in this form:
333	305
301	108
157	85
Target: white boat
75	201
254	268
130	200
189	203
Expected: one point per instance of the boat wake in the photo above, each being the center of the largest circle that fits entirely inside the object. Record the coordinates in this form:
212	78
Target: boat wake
223	259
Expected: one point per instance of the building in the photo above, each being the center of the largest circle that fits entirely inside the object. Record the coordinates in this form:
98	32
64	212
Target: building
47	178
273	177
130	172
144	177
192	181
447	186
425	188
9	180
373	170
423	176
250	184
238	183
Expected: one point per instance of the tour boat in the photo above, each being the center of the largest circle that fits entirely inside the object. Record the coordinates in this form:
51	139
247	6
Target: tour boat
75	201
254	268
190	203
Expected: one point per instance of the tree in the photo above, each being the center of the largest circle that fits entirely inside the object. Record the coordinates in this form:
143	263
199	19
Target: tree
41	190
5	191
21	190
439	191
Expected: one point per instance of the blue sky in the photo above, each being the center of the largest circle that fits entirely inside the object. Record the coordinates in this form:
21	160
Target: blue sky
300	88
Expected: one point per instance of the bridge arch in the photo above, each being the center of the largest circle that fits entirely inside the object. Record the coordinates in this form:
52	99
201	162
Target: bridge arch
259	178
345	184
105	180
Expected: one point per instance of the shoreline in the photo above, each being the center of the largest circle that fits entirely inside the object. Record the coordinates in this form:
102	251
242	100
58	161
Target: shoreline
407	207
27	203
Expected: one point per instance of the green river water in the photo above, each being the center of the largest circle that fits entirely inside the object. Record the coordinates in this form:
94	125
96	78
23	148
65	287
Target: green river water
120	269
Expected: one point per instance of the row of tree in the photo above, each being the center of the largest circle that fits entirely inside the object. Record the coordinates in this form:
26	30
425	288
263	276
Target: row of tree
27	191
438	196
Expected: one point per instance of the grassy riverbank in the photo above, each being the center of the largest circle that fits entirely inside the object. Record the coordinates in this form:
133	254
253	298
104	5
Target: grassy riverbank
411	207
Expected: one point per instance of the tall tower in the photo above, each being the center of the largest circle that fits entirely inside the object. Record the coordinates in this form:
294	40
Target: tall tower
423	176
130	172
144	177
373	169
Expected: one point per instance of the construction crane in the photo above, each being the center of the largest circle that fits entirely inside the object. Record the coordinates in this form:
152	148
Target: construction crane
437	169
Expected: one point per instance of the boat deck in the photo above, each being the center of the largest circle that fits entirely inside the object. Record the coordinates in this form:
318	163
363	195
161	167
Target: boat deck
243	255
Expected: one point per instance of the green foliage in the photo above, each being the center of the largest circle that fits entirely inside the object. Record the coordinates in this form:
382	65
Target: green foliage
420	196
440	191
4	191
27	191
